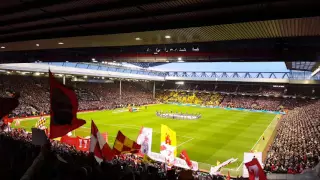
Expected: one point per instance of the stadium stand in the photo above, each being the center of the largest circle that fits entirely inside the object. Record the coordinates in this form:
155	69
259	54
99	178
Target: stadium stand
92	96
296	146
229	100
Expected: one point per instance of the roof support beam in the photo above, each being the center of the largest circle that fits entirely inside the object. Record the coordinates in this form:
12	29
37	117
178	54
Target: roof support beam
315	72
78	11
27	5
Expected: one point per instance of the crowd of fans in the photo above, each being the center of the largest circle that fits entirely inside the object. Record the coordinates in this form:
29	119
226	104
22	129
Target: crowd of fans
296	146
233	101
240	88
25	161
35	99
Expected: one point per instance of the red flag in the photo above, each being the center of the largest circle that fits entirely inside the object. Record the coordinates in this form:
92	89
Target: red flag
228	176
98	145
255	170
64	107
184	155
107	152
7	105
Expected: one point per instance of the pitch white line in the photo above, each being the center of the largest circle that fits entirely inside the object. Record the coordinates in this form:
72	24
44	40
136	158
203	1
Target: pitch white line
83	128
35	117
128	126
259	139
185	142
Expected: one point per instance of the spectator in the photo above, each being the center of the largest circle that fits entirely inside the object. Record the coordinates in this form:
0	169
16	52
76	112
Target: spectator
296	146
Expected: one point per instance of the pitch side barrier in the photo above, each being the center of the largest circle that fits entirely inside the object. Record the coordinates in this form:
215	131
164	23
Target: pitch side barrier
238	109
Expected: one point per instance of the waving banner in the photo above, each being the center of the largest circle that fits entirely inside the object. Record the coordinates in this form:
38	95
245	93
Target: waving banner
215	170
168	140
145	140
80	143
178	162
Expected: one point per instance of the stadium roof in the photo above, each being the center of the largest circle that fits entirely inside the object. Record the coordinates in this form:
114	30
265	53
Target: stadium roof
127	71
82	29
302	65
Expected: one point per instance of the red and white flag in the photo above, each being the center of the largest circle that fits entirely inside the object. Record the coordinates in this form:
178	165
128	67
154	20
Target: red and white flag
105	136
228	176
98	145
255	170
184	155
63	109
145	140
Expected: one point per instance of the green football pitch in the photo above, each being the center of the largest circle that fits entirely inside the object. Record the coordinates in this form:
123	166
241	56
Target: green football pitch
217	136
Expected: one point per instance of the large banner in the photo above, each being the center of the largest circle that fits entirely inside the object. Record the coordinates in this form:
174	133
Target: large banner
176	162
80	143
248	157
168	152
168	140
216	169
145	140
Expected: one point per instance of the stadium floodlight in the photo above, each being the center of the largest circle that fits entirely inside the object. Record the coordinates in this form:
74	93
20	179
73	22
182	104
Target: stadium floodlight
168	37
60	43
179	82
2	47
138	39
38	45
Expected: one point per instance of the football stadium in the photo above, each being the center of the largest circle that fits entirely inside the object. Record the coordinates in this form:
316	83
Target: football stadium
222	130
150	90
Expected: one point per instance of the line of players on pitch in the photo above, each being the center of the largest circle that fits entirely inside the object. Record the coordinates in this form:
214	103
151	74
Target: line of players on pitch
177	115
